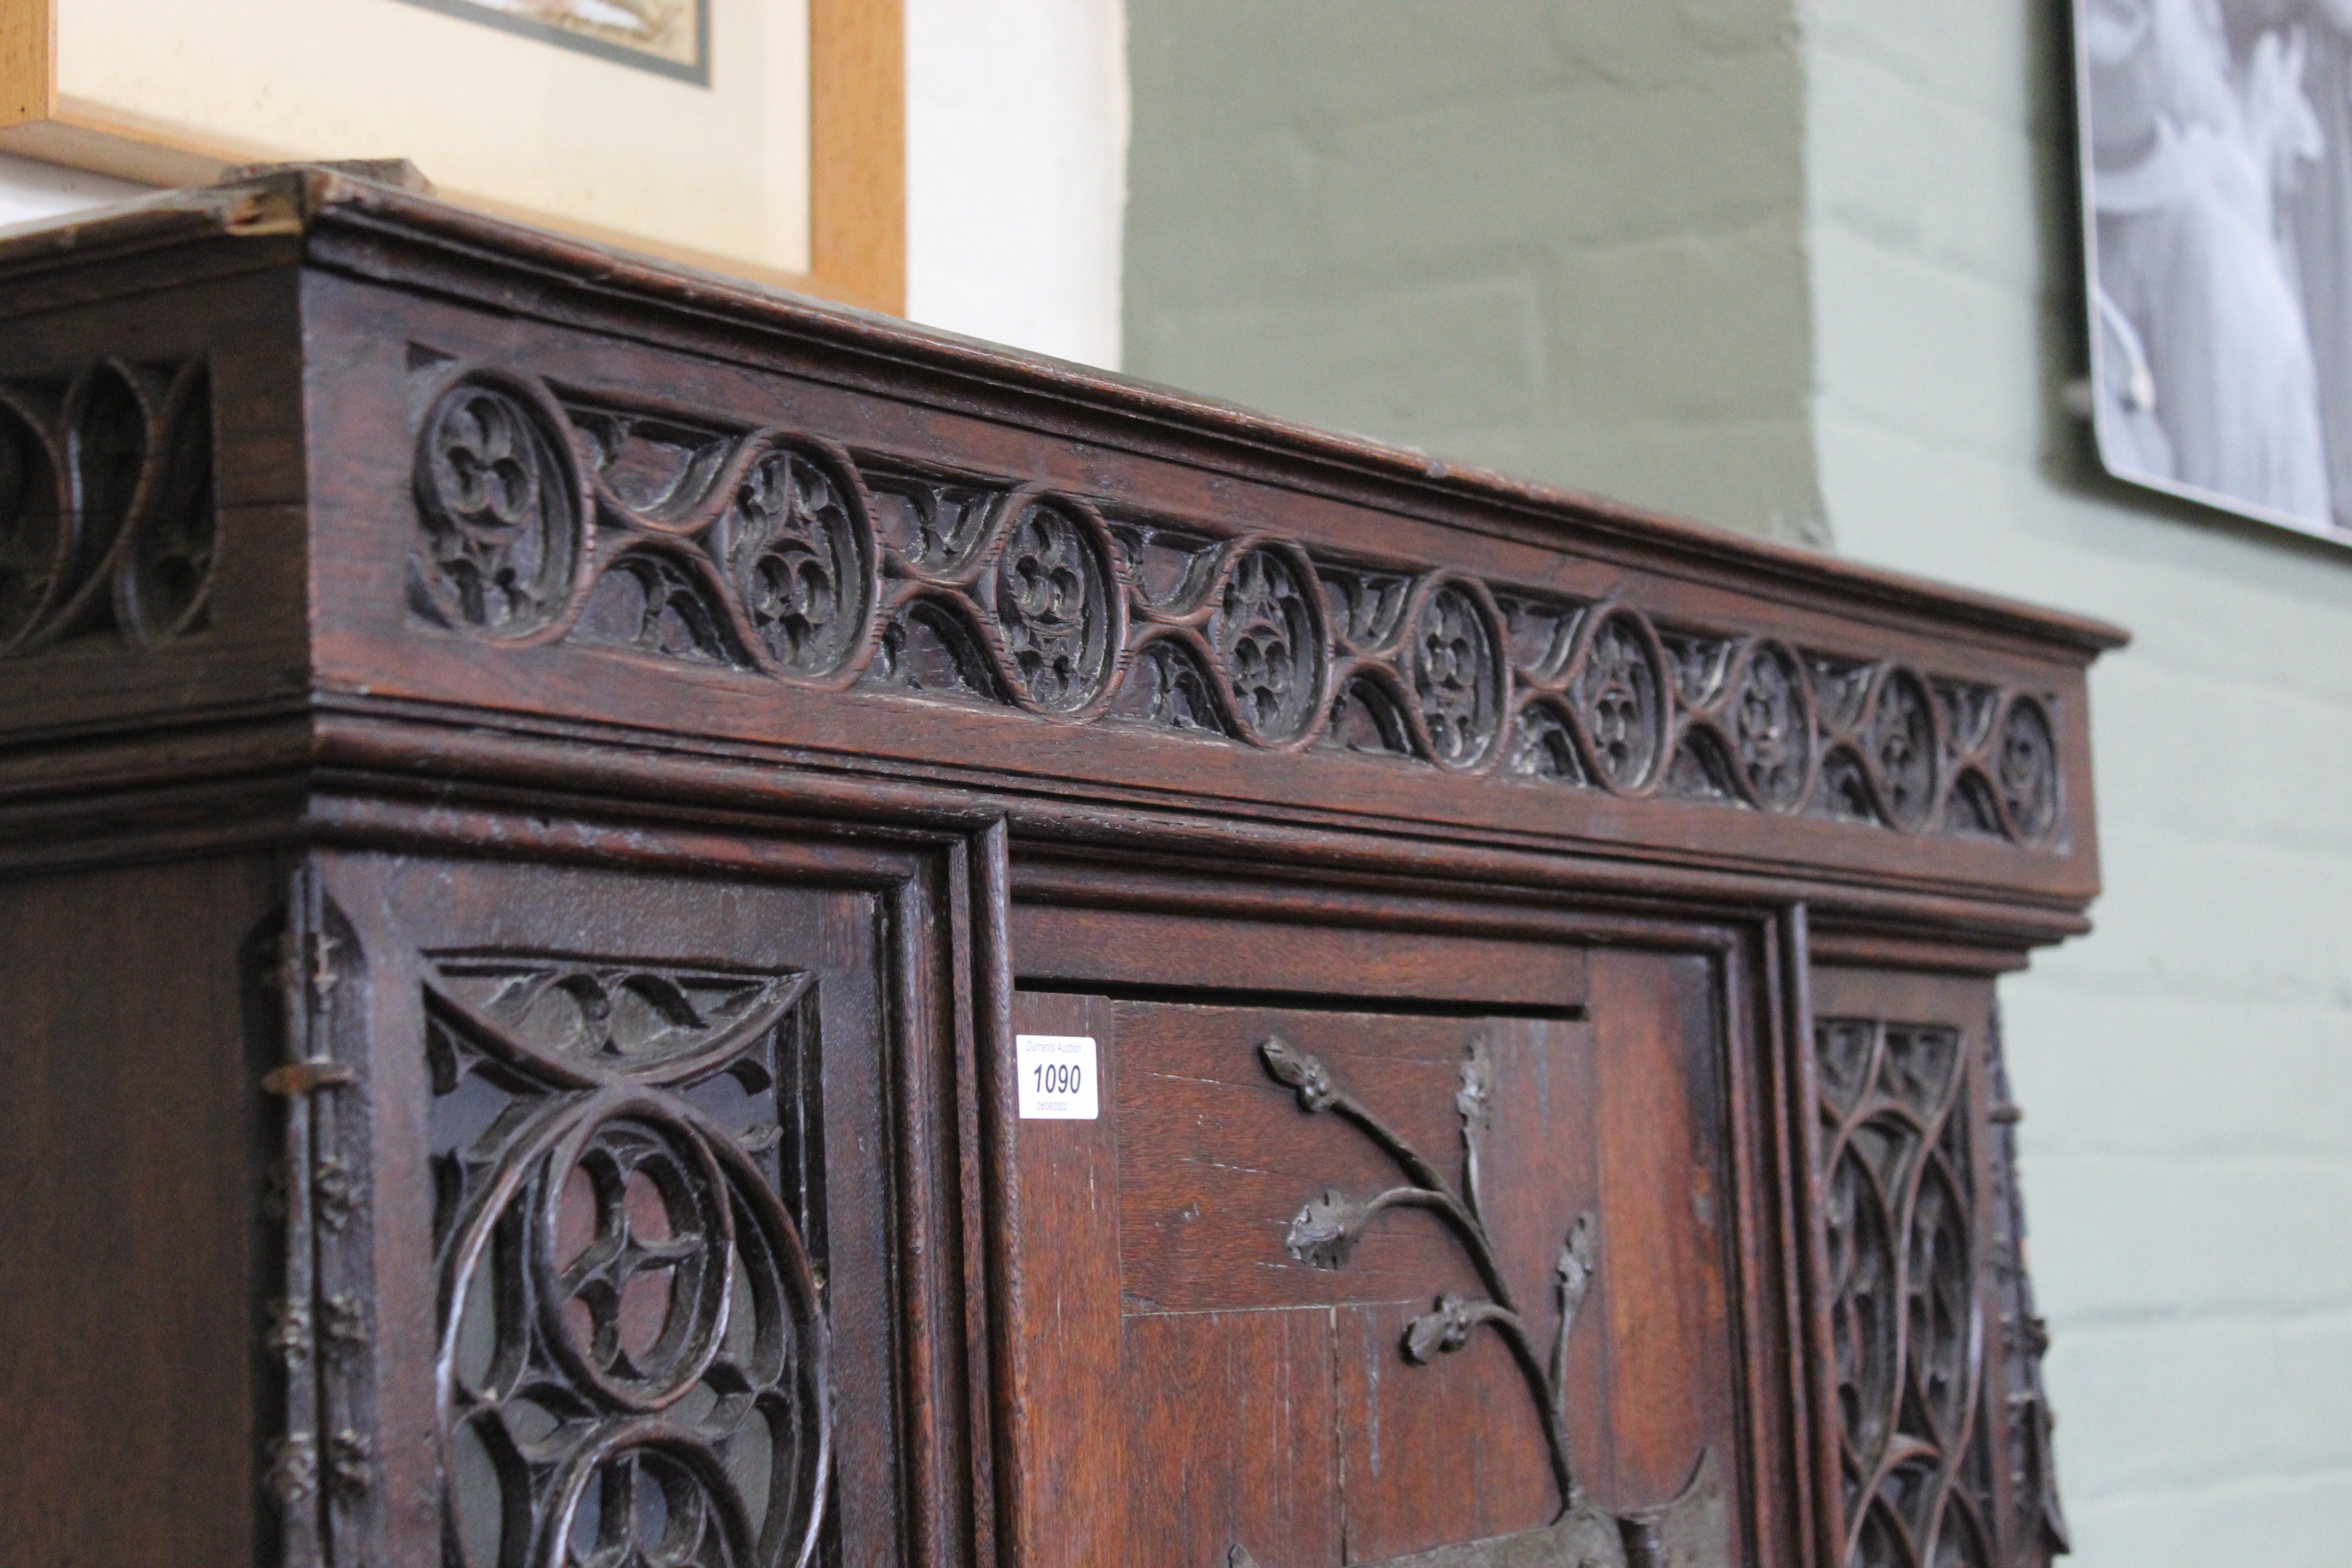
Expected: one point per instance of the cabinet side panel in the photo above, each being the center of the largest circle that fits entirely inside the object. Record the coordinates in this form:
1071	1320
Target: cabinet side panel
128	1139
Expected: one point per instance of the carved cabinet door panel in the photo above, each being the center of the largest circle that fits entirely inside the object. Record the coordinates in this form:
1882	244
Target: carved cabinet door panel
1324	1286
618	1153
1942	1441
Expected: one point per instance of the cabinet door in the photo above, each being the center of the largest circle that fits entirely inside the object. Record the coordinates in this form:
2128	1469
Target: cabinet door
1327	1285
621	1142
1943	1442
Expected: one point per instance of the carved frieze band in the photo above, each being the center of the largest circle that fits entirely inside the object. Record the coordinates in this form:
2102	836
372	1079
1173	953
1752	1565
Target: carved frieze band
548	513
107	521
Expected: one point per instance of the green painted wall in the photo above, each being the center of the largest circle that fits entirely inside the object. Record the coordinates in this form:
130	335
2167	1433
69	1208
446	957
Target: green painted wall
1560	239
1809	270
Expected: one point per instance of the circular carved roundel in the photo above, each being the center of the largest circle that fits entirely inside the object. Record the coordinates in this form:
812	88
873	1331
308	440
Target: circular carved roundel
651	1503
500	507
804	562
1458	675
1054	605
634	1240
1269	646
1902	748
1772	728
2028	770
1621	701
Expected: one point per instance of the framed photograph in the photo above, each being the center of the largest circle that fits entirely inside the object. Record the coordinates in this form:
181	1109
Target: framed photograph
759	138
2216	140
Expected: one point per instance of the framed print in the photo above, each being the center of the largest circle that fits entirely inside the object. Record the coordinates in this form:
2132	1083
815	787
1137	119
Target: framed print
2216	147
759	138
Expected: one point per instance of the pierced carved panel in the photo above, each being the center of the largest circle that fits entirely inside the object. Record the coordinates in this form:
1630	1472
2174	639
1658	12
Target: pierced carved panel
107	514
1920	1276
632	1351
550	513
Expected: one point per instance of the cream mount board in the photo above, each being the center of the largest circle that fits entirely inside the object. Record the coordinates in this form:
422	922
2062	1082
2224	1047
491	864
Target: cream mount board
699	131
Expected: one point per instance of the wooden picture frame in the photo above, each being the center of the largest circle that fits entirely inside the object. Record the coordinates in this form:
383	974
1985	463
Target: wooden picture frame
856	177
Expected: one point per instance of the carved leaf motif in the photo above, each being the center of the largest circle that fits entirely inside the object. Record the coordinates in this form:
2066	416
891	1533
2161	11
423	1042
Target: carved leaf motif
1699	663
1844	793
1772	727
1170	687
1439	1332
934	525
588	1021
1365	718
1903	749
1265	635
801	564
1842	689
1700	770
499	512
654	603
1365	607
1324	1234
1621	695
2028	767
659	469
1542	634
926	649
1053	604
1297	1071
1970	808
1575	1266
1006	593
1458	675
1169	567
1475	1102
1543	747
1968	709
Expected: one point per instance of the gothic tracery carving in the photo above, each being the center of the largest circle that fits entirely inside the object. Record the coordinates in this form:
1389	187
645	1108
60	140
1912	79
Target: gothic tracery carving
550	513
498	490
632	1360
1921	1430
107	519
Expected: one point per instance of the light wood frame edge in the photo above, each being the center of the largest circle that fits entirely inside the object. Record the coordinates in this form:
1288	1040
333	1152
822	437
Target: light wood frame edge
858	148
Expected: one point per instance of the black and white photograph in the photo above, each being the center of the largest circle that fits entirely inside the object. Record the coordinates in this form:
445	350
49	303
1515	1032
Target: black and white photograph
2217	156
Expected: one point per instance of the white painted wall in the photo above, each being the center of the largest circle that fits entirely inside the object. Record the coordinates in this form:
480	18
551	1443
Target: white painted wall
2187	1070
1016	171
1016	177
31	191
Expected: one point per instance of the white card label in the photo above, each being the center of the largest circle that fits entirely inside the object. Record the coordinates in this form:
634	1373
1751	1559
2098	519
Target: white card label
1057	1076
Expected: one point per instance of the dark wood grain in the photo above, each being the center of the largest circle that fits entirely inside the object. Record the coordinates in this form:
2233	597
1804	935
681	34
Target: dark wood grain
393	589
1233	1432
1066	1403
131	1143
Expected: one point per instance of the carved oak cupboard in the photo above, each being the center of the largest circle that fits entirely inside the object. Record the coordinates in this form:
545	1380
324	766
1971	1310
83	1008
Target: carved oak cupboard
649	925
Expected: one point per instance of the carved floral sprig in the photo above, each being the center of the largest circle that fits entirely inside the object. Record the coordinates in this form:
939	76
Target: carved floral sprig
1325	1232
